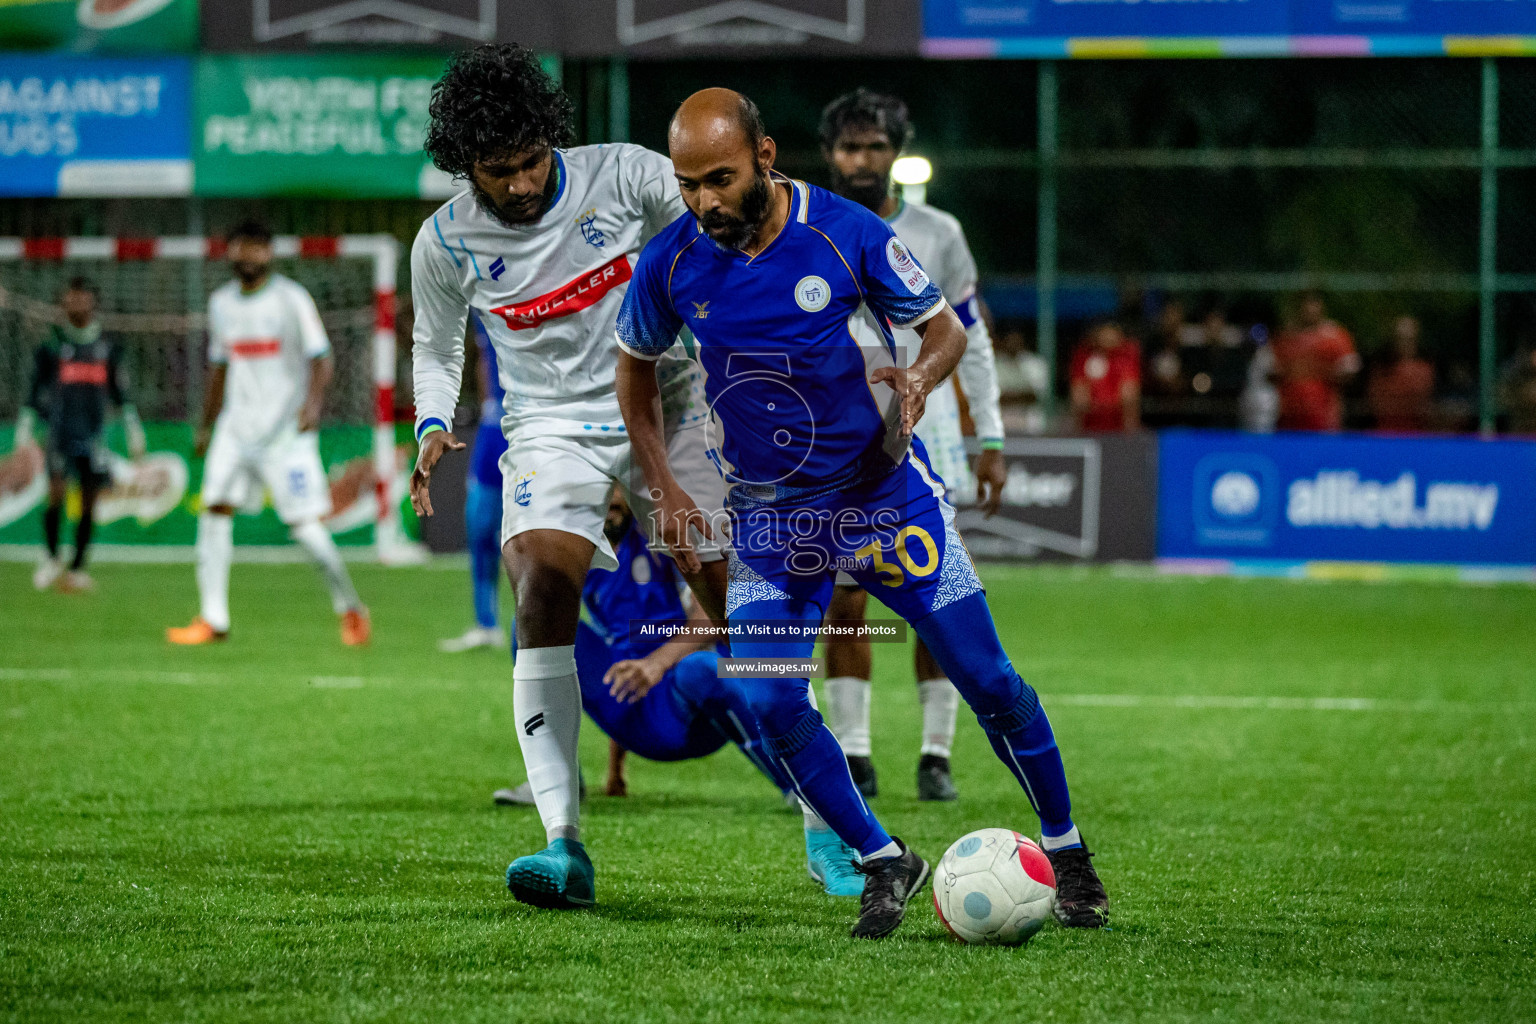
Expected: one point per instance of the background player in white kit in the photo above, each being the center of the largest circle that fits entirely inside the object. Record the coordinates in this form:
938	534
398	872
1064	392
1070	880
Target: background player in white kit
862	133
270	363
541	246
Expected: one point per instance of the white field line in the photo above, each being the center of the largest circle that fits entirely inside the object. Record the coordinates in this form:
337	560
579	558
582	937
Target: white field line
1197	702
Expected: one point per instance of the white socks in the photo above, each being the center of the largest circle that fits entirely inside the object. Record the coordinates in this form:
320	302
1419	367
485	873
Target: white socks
848	711
1061	842
316	539
546	701
215	550
941	702
848	714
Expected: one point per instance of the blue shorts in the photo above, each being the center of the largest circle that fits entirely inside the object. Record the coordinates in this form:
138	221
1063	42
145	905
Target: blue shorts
666	724
895	536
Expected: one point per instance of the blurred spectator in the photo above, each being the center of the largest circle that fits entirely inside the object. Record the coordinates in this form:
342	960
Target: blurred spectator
1106	380
1023	380
1517	391
1164	382
1401	391
1258	406
1215	357
1313	362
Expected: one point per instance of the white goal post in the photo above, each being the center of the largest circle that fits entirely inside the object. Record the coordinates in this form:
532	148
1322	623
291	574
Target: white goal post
380	252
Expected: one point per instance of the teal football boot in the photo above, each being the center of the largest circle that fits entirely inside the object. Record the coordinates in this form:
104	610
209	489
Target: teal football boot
831	862
558	877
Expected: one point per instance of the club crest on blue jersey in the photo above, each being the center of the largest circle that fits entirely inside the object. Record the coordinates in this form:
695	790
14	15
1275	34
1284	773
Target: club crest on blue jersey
590	231
812	294
498	268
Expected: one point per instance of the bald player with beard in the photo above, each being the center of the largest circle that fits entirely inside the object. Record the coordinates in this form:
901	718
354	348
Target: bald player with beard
822	471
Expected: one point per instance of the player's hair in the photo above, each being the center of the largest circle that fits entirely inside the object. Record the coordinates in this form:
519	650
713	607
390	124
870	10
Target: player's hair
865	109
494	100
82	284
750	120
252	230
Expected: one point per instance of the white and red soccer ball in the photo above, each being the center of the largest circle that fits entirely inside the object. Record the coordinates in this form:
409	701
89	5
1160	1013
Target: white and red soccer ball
994	887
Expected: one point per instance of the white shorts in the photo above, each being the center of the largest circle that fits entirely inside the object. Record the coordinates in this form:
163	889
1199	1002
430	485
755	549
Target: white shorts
289	467
941	434
555	482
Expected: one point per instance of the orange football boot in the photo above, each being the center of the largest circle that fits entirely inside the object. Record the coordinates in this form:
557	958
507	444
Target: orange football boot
355	628
196	633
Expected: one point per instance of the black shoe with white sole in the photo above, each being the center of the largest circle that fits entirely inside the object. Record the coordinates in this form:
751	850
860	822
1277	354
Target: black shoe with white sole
888	884
1081	901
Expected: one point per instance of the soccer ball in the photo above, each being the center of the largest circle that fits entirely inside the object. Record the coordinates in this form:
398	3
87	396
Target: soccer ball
994	887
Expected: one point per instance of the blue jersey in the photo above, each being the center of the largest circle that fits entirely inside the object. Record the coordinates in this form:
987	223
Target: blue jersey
490	442
645	586
788	339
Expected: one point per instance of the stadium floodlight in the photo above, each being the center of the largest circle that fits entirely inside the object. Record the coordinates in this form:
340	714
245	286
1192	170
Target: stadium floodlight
154	294
913	173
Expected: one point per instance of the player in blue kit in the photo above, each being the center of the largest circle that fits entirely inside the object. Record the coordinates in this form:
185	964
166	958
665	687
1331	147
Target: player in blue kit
791	293
662	698
482	506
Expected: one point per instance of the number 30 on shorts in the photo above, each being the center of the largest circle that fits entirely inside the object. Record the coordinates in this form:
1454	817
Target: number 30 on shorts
891	575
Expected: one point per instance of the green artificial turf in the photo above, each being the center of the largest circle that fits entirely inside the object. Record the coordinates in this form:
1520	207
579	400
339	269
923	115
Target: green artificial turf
1310	802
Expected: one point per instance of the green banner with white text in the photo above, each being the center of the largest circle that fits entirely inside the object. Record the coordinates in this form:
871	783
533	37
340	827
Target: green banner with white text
315	126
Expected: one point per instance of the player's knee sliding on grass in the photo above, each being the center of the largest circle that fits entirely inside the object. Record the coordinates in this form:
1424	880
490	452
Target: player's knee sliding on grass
660	697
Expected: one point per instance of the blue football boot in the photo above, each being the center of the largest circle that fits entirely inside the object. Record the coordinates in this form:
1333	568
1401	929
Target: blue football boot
558	877
831	862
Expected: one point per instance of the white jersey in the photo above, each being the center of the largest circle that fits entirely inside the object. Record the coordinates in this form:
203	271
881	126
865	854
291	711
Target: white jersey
266	338
548	294
938	242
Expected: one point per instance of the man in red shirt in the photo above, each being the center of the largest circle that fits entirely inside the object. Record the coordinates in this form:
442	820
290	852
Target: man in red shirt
1402	391
1106	381
1313	361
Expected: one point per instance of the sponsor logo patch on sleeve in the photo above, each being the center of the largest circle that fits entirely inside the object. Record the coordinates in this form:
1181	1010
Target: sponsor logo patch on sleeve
905	267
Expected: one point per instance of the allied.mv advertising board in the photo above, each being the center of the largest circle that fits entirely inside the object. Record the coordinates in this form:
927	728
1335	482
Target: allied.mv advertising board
1347	498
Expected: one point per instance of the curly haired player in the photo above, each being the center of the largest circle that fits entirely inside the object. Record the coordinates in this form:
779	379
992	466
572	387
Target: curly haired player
540	247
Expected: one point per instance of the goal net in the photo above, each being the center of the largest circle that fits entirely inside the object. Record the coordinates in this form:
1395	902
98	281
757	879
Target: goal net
153	300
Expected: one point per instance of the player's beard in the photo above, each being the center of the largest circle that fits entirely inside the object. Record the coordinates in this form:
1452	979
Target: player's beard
733	231
520	215
250	274
868	190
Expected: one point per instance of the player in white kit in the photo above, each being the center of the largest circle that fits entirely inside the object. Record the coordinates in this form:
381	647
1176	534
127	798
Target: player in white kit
270	363
541	246
862	133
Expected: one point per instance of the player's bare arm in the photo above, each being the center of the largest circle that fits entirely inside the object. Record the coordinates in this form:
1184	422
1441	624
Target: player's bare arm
213	404
321	370
943	345
631	679
640	405
433	447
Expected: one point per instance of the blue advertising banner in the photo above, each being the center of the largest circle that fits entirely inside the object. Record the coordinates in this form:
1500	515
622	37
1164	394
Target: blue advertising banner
1346	498
1004	19
1414	17
1227	28
72	126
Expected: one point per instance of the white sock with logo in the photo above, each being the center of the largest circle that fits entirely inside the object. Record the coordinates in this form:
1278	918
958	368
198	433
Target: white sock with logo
546	701
215	550
941	703
848	710
317	540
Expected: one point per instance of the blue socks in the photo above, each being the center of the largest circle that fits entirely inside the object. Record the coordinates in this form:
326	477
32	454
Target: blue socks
963	640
